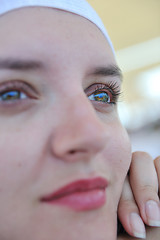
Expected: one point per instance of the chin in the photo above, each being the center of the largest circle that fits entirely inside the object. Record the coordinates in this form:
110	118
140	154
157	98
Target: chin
98	224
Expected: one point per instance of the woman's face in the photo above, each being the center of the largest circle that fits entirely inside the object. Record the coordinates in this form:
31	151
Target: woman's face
60	134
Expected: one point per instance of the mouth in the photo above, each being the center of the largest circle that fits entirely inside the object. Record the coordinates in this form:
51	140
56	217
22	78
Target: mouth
84	194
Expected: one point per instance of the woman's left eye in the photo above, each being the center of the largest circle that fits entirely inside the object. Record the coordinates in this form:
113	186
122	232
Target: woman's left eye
100	96
12	95
104	93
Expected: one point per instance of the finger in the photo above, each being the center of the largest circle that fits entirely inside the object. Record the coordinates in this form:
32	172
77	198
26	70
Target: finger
157	166
128	213
144	184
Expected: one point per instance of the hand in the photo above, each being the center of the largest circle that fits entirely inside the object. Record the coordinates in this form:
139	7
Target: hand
139	202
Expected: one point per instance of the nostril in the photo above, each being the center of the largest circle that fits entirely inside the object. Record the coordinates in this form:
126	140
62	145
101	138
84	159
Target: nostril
76	151
72	151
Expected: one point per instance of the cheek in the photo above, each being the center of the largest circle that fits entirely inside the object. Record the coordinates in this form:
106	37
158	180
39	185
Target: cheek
17	161
118	159
122	154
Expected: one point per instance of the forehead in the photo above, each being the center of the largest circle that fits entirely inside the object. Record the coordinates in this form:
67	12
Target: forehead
44	31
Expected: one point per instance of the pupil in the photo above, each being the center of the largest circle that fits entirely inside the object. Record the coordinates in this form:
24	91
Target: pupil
103	97
12	95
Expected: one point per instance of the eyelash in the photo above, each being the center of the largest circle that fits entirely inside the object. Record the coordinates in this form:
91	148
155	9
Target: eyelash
112	87
22	88
16	86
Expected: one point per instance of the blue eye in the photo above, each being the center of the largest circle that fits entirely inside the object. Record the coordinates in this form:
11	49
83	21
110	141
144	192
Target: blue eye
104	93
100	97
12	95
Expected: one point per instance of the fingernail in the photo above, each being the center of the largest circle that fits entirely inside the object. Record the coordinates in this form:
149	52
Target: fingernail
137	225
153	213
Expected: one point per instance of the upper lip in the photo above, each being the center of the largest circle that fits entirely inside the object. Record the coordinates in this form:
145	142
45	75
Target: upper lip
80	185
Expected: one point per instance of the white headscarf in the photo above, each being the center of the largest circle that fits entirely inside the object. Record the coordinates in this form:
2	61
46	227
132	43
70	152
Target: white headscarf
79	7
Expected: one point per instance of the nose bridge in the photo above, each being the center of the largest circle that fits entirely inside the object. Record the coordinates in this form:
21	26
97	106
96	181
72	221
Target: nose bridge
80	132
83	120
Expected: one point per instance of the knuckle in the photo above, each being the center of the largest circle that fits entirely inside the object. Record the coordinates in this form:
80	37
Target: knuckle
127	203
148	189
126	206
141	155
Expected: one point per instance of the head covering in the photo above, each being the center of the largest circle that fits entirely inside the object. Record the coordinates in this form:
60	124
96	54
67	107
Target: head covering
79	7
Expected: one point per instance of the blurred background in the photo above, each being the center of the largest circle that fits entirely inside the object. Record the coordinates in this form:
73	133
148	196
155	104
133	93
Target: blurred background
134	28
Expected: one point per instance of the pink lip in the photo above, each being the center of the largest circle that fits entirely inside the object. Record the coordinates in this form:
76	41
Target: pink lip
84	194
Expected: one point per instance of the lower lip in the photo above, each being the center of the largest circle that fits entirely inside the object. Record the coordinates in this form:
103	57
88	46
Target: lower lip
80	201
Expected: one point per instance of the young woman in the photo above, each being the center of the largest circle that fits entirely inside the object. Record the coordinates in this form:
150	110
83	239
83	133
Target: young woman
64	152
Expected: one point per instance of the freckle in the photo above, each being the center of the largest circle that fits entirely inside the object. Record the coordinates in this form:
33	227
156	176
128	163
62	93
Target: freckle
19	164
18	129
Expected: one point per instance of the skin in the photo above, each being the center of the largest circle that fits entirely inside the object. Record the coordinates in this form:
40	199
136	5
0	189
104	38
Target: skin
57	135
140	187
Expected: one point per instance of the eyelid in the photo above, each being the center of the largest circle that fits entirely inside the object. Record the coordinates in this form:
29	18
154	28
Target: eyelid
112	88
19	85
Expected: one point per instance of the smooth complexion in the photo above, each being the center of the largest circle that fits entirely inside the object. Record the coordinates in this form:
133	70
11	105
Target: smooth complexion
54	128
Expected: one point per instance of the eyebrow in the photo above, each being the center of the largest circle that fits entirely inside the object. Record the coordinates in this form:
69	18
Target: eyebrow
21	65
111	70
26	65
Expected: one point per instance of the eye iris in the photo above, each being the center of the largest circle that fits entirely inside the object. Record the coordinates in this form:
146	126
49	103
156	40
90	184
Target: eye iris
102	97
11	95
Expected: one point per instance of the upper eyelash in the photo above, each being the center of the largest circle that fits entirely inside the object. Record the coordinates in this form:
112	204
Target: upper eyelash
17	85
113	87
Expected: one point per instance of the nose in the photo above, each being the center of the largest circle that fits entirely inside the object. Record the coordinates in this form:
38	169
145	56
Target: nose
80	135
